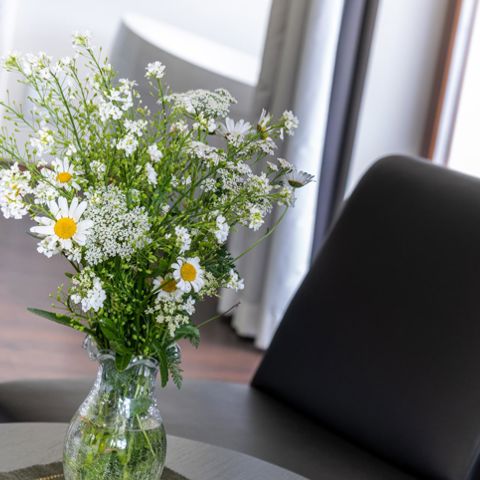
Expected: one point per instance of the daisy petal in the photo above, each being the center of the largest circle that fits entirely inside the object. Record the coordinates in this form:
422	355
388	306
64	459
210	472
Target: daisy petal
43	229
84	225
78	211
63	206
53	207
73	208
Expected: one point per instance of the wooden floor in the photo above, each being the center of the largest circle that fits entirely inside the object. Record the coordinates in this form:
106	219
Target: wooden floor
31	347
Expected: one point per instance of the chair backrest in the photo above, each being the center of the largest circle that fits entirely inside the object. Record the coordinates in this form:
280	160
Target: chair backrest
382	341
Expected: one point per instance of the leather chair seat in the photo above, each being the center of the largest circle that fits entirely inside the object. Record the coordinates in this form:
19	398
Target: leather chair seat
233	416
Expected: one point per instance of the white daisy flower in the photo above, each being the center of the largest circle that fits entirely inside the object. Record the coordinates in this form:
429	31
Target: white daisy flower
263	123
188	274
66	226
234	132
64	174
298	179
167	290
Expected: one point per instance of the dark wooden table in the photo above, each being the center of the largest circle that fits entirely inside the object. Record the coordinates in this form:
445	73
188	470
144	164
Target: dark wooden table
25	444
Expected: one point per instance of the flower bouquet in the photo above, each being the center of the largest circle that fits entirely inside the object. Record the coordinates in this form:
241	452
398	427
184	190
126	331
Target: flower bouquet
140	203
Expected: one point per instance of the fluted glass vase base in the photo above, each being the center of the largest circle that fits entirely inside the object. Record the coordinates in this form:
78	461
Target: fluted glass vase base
117	433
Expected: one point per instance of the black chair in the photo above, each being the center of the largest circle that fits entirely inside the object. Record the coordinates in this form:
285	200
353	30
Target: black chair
374	373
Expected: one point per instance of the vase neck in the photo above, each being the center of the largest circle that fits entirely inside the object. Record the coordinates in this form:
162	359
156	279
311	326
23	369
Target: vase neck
137	380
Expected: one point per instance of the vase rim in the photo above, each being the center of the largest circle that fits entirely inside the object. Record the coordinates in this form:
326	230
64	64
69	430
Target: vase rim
100	355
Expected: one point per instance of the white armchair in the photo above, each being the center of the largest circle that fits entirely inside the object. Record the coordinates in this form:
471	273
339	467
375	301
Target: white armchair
192	61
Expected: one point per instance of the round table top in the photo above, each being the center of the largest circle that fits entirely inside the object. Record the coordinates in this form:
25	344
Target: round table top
26	444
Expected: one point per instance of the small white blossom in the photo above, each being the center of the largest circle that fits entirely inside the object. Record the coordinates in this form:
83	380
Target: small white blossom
108	110
42	142
87	290
71	150
285	165
211	104
272	166
179	127
206	152
165	208
81	39
204	123
151	174
255	218
135	127
98	168
155	70
128	144
44	192
48	247
221	233
155	154
208	185
14	185
290	121
235	282
189	306
184	239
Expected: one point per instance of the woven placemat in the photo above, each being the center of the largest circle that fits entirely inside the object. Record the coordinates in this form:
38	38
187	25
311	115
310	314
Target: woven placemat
54	471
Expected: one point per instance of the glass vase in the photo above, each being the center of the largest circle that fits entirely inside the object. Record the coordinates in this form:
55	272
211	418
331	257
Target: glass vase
117	433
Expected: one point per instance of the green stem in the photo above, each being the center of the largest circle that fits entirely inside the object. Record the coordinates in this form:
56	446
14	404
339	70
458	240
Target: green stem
264	237
220	315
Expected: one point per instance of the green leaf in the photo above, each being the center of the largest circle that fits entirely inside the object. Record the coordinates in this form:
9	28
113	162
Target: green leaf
55	317
163	363
190	332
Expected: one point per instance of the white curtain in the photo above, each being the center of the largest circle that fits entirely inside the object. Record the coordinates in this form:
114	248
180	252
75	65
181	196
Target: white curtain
297	74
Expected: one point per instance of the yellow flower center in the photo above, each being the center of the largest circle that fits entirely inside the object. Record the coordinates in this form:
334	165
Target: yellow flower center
262	131
65	228
170	286
188	272
64	177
